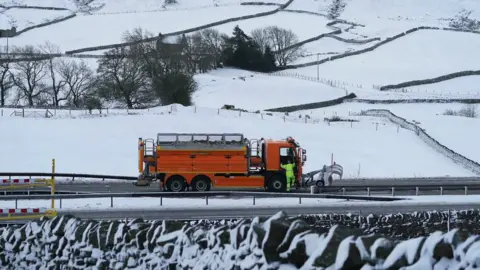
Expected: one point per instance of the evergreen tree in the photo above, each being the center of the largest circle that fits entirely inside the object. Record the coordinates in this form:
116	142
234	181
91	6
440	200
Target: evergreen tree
243	52
269	59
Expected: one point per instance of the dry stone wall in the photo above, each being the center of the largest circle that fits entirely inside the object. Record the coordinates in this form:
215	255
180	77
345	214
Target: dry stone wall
416	100
454	156
35	7
313	105
381	43
45	24
430	81
190	30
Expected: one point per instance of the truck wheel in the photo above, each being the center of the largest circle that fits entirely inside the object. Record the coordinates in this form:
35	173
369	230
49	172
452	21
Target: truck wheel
277	183
319	186
176	183
201	184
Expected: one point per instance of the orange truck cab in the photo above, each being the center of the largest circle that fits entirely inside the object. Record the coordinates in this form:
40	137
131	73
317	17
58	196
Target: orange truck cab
180	161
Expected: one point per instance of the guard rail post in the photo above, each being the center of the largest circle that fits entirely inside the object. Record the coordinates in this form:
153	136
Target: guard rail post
466	190
52	186
441	190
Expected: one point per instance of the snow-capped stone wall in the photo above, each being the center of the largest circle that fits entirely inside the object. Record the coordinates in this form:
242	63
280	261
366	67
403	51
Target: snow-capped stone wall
276	243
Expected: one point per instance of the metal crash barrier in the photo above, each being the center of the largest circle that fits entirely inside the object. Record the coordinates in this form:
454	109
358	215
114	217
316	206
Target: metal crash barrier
28	213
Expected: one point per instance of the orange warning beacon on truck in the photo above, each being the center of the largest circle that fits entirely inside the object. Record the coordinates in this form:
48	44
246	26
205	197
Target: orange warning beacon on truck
200	161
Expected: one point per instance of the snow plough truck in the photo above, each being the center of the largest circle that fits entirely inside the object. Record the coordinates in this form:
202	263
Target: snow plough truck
200	161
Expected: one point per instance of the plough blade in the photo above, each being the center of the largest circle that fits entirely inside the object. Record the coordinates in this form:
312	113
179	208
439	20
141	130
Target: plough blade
323	176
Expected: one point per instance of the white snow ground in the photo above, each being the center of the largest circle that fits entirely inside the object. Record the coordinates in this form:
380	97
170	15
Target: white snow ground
23	18
302	26
109	28
420	55
456	132
362	150
104	141
254	91
186	203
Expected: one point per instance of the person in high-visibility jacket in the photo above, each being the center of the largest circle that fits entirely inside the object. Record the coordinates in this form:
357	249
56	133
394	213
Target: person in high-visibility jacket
289	173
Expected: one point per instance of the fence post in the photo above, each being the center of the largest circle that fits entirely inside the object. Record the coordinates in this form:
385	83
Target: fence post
448	221
52	186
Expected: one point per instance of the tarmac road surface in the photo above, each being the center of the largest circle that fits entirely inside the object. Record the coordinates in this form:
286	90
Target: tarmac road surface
226	213
127	186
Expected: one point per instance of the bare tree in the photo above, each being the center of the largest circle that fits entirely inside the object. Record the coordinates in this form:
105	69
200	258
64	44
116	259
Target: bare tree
78	78
56	90
210	41
6	80
282	41
260	36
29	75
123	79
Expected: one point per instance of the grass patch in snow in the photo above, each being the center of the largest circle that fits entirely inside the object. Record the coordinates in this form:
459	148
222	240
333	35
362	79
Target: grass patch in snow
469	110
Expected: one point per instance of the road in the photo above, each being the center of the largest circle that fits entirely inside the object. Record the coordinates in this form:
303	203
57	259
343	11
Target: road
226	213
118	187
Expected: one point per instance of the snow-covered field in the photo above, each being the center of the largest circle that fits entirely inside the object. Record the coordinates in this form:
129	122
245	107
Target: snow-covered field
363	150
302	26
187	203
468	86
326	47
23	18
254	91
359	147
456	132
109	28
432	53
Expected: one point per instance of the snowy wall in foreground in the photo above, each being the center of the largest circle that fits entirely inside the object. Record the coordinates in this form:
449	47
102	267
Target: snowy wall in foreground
243	244
456	157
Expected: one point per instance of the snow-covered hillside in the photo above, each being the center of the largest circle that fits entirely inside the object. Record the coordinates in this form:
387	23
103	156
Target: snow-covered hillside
363	150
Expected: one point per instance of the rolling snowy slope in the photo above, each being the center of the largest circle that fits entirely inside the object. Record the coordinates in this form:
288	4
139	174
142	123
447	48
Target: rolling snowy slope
388	18
256	91
23	18
108	29
420	55
468	86
107	145
300	24
456	132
